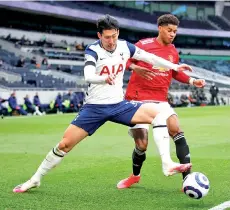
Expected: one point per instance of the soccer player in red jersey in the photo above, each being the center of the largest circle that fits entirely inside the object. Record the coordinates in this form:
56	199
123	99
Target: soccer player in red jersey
155	89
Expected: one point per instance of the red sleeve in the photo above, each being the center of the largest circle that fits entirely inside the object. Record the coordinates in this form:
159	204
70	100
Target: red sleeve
180	76
131	60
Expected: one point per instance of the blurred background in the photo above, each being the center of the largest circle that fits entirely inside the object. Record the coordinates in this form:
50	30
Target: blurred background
42	50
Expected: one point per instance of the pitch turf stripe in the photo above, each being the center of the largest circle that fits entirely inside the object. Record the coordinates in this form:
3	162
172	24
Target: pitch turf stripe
222	206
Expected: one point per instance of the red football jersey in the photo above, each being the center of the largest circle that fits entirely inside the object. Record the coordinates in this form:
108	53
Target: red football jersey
156	89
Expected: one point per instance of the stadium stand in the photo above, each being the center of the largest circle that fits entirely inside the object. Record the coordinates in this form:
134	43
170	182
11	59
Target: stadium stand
226	12
219	22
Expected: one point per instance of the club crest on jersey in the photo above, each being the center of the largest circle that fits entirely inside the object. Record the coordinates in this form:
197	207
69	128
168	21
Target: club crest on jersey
121	54
114	70
171	58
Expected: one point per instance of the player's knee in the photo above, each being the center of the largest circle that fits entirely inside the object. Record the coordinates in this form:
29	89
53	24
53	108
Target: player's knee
142	145
173	131
173	126
64	146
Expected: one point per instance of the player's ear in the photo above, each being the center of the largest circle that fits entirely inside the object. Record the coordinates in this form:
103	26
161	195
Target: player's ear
118	32
99	35
159	28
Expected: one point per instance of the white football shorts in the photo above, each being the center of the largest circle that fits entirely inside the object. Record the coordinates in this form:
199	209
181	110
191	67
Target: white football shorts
160	107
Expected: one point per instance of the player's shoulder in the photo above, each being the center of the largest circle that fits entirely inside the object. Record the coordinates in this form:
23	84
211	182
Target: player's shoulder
92	50
146	41
122	42
124	45
173	47
94	46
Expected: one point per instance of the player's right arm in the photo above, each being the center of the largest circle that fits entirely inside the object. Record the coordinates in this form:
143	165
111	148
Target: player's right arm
154	60
90	70
184	78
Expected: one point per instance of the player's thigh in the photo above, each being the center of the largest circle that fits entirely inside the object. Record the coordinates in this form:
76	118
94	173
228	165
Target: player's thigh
166	112
90	118
72	136
123	112
145	114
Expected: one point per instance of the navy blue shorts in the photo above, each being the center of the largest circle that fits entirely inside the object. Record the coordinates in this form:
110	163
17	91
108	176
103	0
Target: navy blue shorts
92	116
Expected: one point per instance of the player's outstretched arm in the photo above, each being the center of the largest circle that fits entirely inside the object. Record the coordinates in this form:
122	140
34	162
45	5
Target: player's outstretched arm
142	55
184	78
158	61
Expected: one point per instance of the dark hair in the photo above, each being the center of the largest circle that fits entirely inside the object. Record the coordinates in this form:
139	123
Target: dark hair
107	23
166	19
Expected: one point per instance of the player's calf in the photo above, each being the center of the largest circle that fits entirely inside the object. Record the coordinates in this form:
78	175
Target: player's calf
138	157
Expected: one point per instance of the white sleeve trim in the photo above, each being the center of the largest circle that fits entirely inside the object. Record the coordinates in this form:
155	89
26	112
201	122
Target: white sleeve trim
191	81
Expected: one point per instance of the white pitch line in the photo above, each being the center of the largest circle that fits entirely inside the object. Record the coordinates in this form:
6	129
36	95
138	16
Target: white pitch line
222	206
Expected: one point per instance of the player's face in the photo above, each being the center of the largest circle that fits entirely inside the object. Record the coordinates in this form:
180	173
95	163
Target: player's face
167	33
109	39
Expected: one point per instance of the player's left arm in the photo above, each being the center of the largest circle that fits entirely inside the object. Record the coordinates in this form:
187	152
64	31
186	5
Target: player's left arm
152	59
184	78
90	70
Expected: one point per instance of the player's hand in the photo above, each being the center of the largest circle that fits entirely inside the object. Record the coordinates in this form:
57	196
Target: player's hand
144	72
199	83
111	79
184	67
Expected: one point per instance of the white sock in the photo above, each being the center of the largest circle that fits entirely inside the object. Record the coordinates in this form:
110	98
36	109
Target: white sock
162	141
53	158
161	137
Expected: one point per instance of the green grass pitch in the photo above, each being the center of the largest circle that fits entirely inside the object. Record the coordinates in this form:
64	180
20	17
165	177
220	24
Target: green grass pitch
87	177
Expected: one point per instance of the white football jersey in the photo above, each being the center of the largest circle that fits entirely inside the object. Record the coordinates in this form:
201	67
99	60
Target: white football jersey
108	63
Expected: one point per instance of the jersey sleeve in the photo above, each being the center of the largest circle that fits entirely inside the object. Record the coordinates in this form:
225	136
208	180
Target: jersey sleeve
90	68
153	59
90	57
132	60
180	76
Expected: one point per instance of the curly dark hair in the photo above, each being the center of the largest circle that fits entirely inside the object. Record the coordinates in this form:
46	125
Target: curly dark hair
166	19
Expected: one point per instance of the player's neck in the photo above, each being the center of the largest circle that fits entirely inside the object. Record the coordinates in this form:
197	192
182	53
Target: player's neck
160	41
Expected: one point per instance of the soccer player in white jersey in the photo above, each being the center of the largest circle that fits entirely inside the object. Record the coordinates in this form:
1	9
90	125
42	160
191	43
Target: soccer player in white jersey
105	62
